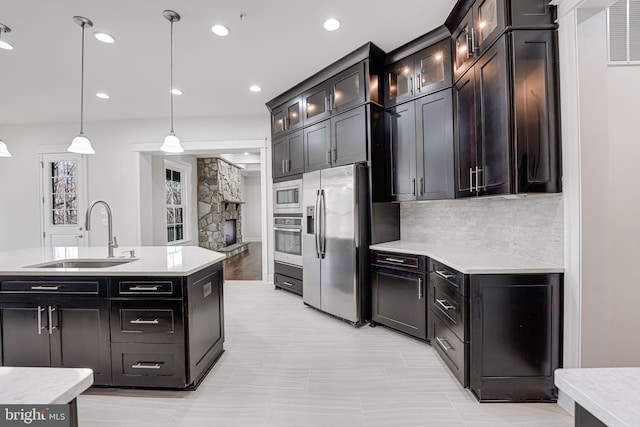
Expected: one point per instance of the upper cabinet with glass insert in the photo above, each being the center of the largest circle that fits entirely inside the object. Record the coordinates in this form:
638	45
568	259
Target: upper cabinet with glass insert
340	93
476	25
287	117
421	73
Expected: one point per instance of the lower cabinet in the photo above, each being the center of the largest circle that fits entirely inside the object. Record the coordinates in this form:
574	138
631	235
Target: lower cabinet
131	331
399	293
288	278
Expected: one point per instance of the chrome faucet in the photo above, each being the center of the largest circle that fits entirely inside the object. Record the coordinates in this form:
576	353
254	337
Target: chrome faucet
113	243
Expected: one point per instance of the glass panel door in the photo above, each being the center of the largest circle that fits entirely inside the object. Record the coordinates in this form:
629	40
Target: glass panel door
487	19
288	241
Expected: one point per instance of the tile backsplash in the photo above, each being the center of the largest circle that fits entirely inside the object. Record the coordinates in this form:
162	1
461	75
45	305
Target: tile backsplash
530	226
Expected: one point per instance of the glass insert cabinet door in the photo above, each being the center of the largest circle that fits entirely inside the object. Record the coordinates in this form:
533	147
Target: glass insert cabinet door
489	21
400	81
316	103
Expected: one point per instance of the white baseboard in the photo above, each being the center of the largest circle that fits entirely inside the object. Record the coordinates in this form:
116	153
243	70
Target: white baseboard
251	239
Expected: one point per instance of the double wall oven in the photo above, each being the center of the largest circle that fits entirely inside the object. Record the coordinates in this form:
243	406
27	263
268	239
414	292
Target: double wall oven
287	222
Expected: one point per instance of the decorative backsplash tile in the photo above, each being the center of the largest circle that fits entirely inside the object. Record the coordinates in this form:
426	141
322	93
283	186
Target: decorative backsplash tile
531	226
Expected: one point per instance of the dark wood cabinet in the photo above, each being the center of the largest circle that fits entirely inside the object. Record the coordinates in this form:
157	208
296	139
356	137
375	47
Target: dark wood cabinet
476	25
340	93
44	329
399	292
131	331
506	129
288	278
286	117
515	336
421	73
421	140
340	140
288	155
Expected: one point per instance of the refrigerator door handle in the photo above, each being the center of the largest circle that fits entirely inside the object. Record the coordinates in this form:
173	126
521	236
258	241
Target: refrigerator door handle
316	222
323	224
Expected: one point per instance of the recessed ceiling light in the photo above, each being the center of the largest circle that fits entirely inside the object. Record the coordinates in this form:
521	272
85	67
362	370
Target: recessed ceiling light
102	95
331	24
255	88
220	30
176	91
104	37
246	154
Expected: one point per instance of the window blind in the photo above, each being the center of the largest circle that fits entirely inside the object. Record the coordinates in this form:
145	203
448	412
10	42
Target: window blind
623	32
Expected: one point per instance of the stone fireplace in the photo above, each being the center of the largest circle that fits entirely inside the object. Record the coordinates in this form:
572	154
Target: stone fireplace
219	206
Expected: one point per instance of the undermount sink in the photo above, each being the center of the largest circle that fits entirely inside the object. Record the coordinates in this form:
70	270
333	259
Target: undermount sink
83	263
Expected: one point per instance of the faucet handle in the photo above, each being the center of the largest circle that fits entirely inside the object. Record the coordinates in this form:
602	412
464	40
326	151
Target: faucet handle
114	244
132	253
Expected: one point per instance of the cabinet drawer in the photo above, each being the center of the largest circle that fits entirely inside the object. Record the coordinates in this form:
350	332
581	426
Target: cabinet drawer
151	287
449	306
403	261
148	365
81	287
449	275
288	283
147	321
453	351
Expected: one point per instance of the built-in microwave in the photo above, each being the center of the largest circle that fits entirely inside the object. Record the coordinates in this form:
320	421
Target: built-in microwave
287	197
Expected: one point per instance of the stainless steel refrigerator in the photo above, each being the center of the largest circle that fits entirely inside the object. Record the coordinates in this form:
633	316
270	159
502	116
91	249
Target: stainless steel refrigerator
335	242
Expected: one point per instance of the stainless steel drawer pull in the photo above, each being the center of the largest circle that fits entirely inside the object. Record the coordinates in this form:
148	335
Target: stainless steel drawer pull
288	284
144	288
45	288
443	344
139	321
443	305
444	274
401	261
145	365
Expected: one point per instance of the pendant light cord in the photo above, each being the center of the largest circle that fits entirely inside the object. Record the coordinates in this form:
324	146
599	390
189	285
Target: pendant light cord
82	85
171	73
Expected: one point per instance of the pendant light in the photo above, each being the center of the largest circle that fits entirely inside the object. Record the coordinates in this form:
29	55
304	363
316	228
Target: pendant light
171	142
81	143
4	45
4	151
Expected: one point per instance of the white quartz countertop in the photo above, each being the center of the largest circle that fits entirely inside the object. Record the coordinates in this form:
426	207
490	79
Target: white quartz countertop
42	386
610	394
150	261
471	260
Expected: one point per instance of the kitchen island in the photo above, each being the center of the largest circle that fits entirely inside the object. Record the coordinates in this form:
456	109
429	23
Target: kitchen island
152	317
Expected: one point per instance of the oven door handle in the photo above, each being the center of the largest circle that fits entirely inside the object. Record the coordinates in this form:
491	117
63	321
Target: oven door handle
292	230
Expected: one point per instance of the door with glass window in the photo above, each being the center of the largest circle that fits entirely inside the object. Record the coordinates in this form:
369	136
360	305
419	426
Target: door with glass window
63	200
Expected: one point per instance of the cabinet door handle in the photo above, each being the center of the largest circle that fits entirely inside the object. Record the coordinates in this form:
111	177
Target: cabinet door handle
442	303
335	154
327	106
468	47
421	186
329	156
146	365
398	260
413	186
444	274
411	85
471	187
473	40
50	311
442	342
478	171
144	288
39	314
288	165
139	321
331	105
420	293
285	122
45	288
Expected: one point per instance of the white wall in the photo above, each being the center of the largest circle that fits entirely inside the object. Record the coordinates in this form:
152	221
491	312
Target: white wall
609	112
251	224
112	172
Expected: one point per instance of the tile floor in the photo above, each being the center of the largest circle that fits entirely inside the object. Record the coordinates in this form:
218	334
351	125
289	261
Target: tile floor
289	365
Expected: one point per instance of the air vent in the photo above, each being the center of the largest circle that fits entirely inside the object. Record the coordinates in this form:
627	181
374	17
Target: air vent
623	31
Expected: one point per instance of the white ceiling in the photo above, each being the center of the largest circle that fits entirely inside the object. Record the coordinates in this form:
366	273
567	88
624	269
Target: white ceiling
277	45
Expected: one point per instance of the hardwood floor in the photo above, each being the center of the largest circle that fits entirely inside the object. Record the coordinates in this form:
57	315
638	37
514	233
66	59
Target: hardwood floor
246	266
289	365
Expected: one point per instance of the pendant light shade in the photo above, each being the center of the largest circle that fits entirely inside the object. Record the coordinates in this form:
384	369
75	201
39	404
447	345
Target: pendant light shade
3	44
81	143
171	142
4	151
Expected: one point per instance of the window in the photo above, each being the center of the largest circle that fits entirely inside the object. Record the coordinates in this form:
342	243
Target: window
623	32
175	186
